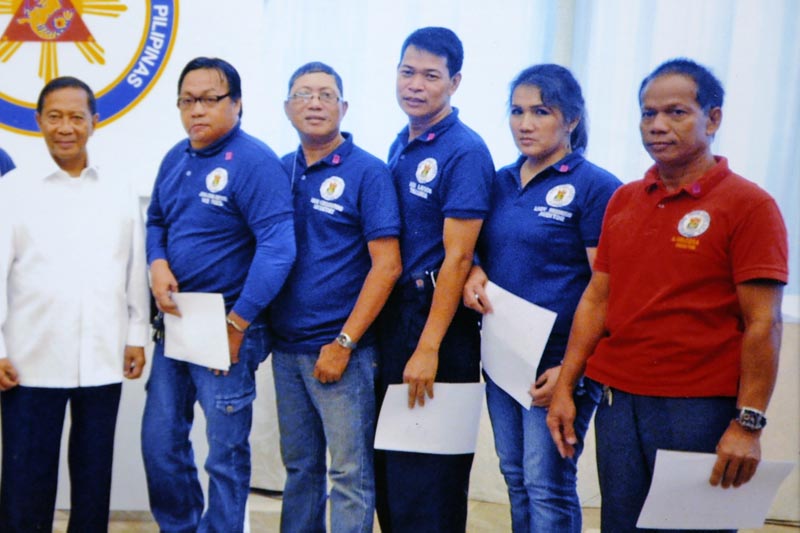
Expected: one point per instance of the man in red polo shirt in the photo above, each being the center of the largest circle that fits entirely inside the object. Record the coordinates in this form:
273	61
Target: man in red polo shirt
681	321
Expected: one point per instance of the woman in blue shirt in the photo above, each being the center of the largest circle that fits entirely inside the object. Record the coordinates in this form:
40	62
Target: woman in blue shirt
538	242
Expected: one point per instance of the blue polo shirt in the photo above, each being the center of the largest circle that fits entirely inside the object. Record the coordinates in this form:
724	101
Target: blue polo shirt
534	241
6	164
340	204
222	218
446	172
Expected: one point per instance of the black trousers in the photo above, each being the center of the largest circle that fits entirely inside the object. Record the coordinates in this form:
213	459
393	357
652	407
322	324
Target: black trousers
418	492
33	419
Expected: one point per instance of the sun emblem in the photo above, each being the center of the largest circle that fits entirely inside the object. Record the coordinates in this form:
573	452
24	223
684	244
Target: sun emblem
137	39
51	22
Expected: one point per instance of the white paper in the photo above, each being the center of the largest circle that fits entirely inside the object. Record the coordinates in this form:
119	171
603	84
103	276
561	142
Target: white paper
447	424
199	335
513	338
680	496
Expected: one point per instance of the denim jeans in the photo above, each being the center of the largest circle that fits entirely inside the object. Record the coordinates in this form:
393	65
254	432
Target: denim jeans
630	429
313	416
542	486
32	422
176	498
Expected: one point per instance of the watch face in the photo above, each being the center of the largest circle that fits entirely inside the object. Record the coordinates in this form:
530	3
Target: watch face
343	340
751	419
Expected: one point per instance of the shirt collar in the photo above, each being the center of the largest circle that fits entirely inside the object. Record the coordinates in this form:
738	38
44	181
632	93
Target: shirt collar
217	146
700	187
566	164
90	172
434	131
333	159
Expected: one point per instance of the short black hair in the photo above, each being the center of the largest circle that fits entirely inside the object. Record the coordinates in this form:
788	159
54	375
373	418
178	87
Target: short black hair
559	89
710	93
64	82
442	42
227	71
317	66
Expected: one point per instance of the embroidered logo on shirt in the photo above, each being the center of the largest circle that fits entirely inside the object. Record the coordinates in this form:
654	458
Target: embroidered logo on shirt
694	224
426	170
332	188
217	179
560	195
691	226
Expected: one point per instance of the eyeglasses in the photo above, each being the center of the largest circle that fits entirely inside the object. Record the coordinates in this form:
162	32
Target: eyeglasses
305	98
187	102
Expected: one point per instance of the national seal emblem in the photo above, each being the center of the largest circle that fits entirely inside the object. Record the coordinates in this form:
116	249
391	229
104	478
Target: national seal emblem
137	42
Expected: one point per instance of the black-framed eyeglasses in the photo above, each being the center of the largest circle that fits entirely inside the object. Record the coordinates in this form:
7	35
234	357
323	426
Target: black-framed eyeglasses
187	102
325	97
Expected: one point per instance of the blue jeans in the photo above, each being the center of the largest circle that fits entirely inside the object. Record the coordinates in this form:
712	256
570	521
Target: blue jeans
631	428
32	422
339	416
176	498
541	485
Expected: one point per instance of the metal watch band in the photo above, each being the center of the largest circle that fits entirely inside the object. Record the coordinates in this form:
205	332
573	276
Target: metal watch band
345	341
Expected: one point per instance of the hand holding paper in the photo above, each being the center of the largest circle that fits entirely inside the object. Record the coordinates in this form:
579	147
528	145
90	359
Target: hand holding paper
447	425
681	497
513	338
199	335
419	374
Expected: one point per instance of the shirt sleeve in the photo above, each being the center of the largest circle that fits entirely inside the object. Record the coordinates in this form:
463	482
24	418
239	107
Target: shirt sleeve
614	205
266	203
6	257
466	193
137	290
378	205
759	245
602	188
156	225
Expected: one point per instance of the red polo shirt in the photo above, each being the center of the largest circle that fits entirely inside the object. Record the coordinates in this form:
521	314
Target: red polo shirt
674	260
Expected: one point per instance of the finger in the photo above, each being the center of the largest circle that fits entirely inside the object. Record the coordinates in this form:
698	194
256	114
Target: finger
558	439
421	394
133	372
731	471
555	427
11	375
570	440
470	303
480	294
746	472
718	471
412	395
166	305
6	383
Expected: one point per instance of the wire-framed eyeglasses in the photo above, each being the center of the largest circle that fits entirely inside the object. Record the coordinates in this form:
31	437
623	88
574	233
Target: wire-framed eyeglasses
326	97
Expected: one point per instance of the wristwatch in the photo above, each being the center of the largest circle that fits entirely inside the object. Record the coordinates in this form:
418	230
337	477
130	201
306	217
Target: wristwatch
751	419
344	340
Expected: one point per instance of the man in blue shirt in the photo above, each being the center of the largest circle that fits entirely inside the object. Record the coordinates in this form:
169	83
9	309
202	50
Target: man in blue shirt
443	174
347	226
220	221
6	164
